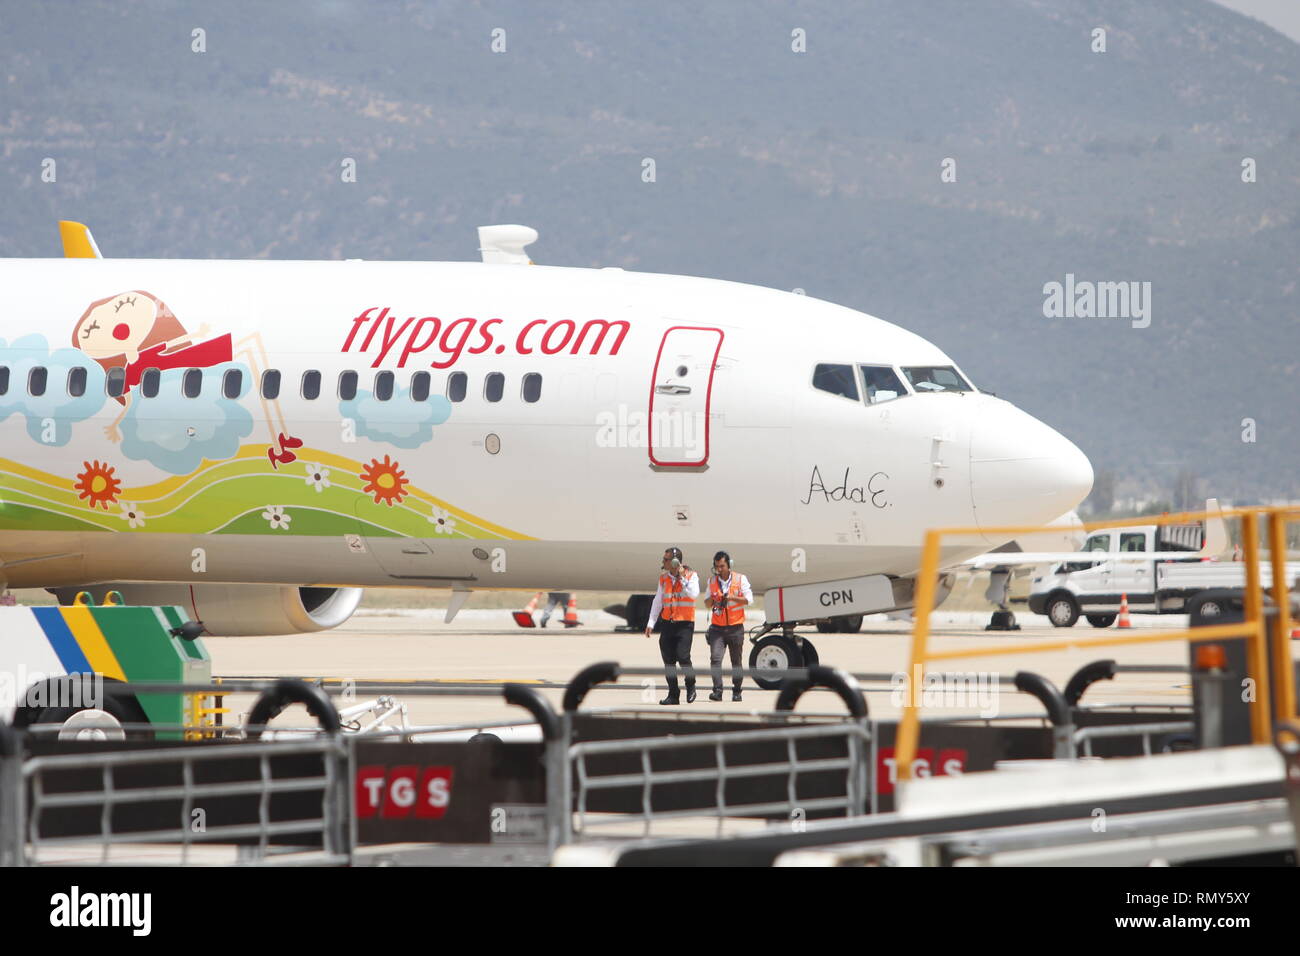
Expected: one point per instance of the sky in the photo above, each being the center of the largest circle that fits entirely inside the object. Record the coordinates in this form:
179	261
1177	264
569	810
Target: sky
1281	15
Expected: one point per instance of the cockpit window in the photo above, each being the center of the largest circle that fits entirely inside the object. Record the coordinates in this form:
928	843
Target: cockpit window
936	378
836	379
882	384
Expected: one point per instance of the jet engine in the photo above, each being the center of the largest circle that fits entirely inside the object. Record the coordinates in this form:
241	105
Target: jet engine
239	610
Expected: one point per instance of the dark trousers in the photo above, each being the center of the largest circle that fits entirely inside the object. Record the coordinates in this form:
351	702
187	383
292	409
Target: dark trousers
726	639
675	648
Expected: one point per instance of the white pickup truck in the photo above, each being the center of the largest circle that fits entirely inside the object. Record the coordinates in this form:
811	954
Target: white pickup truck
1183	580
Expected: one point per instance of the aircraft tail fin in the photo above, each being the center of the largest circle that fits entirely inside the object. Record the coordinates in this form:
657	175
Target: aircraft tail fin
78	243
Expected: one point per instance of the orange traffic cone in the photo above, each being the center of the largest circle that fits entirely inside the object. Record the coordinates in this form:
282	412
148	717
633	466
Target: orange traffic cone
571	613
524	618
1123	612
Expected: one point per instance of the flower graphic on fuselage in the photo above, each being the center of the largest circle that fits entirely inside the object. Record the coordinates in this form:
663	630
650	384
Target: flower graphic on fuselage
317	477
276	517
98	484
443	523
386	481
132	514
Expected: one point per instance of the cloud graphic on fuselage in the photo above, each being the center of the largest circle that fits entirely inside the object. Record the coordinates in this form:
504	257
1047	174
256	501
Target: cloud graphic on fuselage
158	430
50	417
398	421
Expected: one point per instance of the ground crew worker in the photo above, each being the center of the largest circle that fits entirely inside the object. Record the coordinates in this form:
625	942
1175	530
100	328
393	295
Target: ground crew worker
679	586
729	594
555	599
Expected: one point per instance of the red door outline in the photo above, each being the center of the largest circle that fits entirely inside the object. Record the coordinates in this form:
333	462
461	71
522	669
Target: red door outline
708	397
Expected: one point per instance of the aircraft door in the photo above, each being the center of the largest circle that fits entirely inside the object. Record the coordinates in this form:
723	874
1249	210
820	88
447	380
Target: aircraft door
681	391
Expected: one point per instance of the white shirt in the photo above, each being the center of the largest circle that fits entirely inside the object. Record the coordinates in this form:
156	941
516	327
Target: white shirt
744	586
690	588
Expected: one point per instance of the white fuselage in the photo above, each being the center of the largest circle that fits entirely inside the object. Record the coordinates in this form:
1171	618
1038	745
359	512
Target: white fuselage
672	411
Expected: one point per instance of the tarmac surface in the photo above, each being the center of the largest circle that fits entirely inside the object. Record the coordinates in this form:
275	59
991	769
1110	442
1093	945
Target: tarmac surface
483	646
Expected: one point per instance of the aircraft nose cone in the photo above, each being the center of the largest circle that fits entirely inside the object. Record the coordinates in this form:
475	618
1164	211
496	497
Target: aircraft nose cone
1023	472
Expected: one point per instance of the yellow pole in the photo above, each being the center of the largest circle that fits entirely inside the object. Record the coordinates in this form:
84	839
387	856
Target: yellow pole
1283	670
909	730
1256	656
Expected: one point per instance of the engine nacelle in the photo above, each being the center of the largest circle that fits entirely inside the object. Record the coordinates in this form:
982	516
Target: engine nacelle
240	610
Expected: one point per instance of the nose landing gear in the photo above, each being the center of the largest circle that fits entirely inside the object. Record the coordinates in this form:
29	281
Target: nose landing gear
777	652
999	593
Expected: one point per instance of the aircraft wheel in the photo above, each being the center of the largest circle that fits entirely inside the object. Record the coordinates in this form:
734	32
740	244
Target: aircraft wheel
774	652
825	625
810	658
1101	620
851	624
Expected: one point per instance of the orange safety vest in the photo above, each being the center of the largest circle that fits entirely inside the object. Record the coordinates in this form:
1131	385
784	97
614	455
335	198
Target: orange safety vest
676	606
734	613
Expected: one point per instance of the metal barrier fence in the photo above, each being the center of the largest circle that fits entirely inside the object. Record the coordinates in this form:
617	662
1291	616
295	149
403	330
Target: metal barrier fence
1086	735
100	783
837	753
853	766
581	783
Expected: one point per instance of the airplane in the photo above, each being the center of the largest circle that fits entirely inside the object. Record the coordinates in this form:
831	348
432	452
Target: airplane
260	440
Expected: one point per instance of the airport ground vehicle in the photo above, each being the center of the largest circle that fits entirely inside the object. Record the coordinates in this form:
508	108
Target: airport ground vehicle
1115	564
56	661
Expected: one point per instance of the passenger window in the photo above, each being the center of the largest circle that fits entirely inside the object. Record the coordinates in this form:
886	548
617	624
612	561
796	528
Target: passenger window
232	383
347	386
271	383
311	385
192	383
420	387
37	379
494	386
836	379
77	382
882	384
1133	541
4	379
149	382
532	387
384	386
115	382
457	386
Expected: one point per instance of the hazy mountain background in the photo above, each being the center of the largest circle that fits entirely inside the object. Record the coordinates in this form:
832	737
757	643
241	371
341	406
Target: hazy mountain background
818	170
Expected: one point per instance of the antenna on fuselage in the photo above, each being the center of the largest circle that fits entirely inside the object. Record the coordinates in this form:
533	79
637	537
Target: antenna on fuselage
505	244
